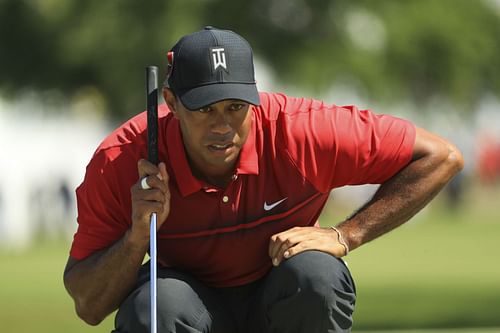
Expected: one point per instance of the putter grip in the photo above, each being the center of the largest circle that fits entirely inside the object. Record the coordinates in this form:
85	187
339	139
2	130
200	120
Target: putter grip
152	112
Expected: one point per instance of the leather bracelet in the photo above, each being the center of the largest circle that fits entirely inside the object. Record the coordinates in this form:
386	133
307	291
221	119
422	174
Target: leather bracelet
342	241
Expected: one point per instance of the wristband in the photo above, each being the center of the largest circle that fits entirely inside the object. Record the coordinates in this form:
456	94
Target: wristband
342	241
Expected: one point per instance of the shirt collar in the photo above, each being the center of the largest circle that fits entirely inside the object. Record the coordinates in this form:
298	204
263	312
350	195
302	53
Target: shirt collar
248	161
187	183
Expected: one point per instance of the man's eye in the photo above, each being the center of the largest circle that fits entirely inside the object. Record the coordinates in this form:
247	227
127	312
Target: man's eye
206	109
236	107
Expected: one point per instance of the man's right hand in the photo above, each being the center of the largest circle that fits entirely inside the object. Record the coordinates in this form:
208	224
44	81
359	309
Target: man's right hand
100	282
148	201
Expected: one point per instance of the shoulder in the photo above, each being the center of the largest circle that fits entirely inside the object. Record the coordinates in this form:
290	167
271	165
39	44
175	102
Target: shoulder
274	105
297	116
129	139
133	131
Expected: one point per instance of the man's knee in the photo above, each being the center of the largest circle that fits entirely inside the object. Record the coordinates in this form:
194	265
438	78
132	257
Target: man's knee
180	309
134	313
315	286
315	270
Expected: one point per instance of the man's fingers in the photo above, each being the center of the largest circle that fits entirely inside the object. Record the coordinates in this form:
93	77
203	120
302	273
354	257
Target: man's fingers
146	168
286	244
281	242
153	182
280	248
275	243
150	194
300	247
163	173
146	208
156	176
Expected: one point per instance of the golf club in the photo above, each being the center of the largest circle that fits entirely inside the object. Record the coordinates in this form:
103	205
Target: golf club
152	113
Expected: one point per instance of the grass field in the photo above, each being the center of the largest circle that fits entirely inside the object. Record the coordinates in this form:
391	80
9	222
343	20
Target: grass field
439	271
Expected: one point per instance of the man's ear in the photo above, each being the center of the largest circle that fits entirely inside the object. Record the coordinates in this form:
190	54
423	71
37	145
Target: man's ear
170	99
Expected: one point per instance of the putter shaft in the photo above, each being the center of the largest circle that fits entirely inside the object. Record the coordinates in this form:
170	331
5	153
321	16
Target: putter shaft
153	275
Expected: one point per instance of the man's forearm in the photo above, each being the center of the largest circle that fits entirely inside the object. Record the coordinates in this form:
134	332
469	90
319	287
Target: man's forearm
401	197
101	282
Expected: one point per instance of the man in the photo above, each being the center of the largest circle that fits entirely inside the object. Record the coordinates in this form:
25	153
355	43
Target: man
242	181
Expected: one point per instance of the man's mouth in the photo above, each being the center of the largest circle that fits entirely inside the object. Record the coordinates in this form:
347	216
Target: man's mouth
220	147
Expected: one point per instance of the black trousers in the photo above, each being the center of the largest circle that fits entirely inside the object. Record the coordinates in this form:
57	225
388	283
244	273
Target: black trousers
310	292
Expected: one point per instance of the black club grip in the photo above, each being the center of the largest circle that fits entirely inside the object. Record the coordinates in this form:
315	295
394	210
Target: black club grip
152	111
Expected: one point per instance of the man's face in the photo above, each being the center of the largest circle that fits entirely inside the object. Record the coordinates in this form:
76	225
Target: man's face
214	135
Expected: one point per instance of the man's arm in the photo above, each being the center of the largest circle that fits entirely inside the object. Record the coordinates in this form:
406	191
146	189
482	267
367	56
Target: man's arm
435	161
99	283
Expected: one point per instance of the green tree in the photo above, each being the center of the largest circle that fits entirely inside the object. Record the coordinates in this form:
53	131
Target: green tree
388	50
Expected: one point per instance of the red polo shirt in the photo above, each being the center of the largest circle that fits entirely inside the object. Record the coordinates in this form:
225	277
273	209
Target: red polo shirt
297	151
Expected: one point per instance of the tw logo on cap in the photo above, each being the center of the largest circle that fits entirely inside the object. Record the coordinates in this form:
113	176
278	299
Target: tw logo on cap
218	58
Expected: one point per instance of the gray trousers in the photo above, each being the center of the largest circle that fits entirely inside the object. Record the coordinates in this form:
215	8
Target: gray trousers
311	292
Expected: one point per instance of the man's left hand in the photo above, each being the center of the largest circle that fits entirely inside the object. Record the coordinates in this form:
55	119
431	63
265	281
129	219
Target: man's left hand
288	243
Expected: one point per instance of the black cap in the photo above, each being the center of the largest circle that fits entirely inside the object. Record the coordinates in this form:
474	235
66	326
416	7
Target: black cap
212	65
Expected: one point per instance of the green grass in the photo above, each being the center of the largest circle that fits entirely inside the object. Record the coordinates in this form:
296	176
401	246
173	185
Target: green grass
32	295
440	270
429	275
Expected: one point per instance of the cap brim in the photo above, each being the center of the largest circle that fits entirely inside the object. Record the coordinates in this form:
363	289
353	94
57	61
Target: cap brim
199	97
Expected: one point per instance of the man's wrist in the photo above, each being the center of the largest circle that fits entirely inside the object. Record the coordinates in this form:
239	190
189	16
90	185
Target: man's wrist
136	242
341	240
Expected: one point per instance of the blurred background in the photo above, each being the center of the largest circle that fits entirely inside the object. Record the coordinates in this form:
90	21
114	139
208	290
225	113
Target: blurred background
70	71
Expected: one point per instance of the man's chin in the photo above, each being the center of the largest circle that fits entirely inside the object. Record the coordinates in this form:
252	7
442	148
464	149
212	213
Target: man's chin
223	159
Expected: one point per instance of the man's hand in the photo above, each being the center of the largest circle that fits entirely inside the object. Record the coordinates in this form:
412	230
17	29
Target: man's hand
148	201
288	243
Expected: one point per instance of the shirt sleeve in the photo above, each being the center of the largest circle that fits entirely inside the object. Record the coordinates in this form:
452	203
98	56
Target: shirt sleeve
101	217
335	146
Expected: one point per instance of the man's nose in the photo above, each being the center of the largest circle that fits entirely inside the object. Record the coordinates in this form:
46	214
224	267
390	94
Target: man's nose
221	124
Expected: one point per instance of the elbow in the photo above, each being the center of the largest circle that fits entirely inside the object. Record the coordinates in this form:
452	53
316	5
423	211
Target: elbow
89	316
441	156
454	160
85	310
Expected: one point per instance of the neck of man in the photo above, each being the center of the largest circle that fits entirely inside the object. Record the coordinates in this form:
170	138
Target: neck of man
214	175
221	180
